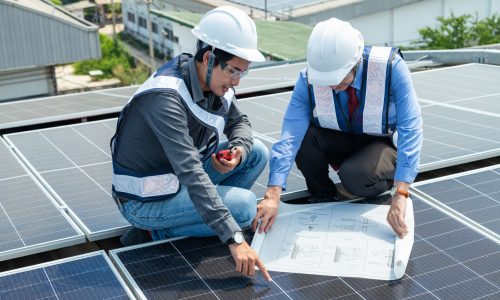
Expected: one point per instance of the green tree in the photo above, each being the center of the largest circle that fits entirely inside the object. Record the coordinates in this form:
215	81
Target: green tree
451	33
112	55
115	62
487	31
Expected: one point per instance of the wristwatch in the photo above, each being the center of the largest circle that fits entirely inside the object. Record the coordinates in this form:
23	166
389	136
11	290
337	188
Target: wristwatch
403	193
237	238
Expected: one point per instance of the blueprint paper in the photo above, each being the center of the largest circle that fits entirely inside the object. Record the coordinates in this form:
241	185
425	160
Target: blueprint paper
336	239
402	248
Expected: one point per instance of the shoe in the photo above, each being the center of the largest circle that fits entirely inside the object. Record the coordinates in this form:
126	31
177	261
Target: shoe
343	194
340	196
321	199
135	236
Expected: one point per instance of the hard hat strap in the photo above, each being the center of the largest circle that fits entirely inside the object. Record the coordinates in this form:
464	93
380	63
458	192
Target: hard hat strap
210	67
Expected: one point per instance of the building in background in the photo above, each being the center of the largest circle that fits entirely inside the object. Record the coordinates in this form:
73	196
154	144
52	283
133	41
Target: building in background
35	37
79	8
392	22
171	32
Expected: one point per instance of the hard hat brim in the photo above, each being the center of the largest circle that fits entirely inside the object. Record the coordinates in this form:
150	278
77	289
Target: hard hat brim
326	78
248	54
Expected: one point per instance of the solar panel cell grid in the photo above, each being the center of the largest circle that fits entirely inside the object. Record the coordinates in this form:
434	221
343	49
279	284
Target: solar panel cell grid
74	162
476	195
451	86
30	221
452	262
89	277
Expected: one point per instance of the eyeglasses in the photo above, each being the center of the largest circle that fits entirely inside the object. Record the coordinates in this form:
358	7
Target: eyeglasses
232	72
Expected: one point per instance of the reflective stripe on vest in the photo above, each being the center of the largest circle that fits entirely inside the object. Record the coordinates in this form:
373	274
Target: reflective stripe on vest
166	184
375	94
150	186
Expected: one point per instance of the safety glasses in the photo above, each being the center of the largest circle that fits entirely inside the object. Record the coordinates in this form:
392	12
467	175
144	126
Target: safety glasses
232	72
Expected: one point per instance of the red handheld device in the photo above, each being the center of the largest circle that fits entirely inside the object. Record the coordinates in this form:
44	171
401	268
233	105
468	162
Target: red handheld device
226	154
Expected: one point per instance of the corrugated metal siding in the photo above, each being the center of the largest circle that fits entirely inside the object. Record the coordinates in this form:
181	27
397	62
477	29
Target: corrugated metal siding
26	83
31	39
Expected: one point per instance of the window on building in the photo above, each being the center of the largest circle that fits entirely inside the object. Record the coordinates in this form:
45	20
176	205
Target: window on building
130	17
154	27
167	33
142	22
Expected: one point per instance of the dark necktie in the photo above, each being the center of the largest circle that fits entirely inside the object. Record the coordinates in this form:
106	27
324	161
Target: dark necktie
353	101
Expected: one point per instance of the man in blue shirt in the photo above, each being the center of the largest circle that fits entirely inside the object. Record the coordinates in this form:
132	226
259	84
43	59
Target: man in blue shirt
346	107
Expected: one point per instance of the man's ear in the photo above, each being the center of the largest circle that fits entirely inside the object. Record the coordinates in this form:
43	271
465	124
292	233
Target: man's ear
206	55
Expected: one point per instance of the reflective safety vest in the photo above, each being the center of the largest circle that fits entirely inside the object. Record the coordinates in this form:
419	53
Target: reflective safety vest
153	187
372	114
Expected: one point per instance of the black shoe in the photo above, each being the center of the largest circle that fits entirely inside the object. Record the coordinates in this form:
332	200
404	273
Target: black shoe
325	199
135	236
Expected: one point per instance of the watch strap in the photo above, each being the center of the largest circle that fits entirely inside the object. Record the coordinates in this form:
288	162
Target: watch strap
403	193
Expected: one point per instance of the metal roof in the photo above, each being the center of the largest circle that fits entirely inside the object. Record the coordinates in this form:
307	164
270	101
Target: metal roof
38	33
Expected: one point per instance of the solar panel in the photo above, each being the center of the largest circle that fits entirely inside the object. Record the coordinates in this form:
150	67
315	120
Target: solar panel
474	195
30	221
451	136
471	87
449	261
268	78
88	276
95	103
74	163
65	107
296	186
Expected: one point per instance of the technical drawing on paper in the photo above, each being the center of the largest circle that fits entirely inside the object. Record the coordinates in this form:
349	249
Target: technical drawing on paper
340	239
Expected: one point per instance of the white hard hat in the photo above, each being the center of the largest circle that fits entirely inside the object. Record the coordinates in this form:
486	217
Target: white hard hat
333	49
230	29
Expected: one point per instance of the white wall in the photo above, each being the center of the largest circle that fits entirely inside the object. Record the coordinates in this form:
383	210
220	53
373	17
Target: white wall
414	16
372	34
400	25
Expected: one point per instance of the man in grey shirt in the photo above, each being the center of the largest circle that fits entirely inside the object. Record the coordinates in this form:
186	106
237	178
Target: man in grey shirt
167	179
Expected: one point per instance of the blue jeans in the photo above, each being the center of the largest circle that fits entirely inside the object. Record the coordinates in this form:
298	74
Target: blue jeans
177	216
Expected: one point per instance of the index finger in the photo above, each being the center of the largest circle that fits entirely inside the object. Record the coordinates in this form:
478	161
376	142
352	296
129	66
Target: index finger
263	270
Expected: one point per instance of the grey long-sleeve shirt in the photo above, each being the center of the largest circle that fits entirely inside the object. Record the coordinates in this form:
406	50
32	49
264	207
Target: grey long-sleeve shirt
158	129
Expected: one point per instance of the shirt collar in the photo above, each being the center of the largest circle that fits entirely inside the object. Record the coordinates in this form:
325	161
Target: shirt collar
357	80
195	83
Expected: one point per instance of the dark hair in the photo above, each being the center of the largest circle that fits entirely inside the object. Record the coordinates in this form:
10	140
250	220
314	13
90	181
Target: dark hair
220	55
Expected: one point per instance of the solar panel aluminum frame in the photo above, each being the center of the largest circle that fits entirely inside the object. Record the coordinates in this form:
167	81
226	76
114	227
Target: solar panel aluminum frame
62	117
113	254
83	115
74	258
257	73
449	211
459	160
90	235
46	246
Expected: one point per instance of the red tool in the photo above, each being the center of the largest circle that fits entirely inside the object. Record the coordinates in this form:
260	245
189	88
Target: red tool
226	154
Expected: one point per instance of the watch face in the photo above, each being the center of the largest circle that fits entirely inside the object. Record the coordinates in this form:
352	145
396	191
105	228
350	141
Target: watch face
238	237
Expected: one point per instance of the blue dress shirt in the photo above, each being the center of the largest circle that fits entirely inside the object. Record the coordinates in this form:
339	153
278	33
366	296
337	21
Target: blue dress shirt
404	111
